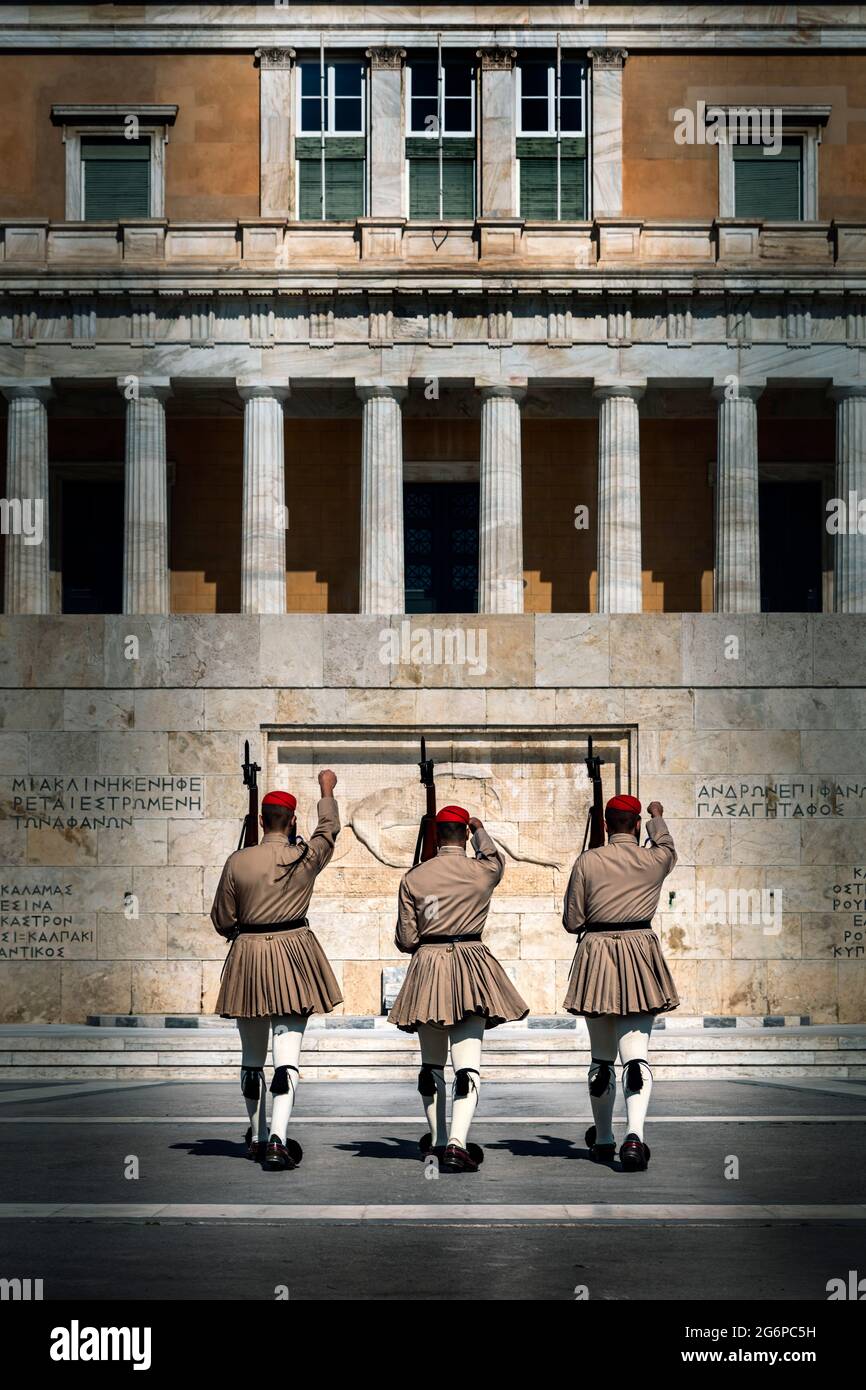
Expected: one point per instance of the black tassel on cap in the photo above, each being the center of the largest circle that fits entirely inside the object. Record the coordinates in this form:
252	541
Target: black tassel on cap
602	1079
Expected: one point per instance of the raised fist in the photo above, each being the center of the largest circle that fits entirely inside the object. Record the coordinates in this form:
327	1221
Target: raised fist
475	824
327	781
655	808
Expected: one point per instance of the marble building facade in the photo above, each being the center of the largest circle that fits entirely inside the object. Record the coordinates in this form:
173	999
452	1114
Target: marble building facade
271	382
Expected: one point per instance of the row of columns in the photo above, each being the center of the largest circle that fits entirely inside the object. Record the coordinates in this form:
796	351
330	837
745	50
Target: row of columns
500	582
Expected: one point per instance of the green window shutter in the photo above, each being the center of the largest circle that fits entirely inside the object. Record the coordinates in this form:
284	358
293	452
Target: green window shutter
344	189
538	188
116	178
458	188
768	185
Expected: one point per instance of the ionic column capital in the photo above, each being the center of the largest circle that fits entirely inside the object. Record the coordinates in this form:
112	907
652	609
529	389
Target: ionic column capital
742	392
37	390
611	59
614	390
500	390
495	59
270	58
855	392
143	388
380	390
385	58
253	388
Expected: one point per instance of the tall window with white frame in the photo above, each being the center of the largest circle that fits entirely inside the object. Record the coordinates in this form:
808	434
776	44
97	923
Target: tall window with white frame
551	137
331	144
440	144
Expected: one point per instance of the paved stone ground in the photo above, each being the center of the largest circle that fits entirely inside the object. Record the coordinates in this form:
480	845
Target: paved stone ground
509	1232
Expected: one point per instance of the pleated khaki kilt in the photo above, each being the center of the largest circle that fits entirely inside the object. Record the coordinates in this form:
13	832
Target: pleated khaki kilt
620	973
268	974
445	984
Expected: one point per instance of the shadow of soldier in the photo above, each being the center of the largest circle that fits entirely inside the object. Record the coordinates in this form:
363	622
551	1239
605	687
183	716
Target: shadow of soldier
383	1148
214	1148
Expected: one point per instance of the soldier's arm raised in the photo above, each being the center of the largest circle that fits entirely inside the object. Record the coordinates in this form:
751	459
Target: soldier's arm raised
574	903
224	913
407	936
662	841
323	838
487	854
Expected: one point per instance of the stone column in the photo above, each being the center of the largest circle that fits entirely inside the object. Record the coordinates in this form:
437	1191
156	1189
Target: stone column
263	545
497	147
27	588
275	129
145	497
500	541
386	132
738	561
849	544
382	568
607	65
619	536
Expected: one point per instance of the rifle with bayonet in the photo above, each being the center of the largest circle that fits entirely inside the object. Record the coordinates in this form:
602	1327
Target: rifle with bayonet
250	827
425	847
594	834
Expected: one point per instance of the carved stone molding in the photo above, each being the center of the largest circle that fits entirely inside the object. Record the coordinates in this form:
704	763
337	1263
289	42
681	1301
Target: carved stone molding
385	58
497	59
608	59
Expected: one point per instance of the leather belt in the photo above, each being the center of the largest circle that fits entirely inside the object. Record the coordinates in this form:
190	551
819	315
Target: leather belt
644	925
256	927
448	940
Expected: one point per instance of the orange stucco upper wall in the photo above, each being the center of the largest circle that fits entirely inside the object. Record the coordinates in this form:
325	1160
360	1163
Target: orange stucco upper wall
212	164
212	161
663	179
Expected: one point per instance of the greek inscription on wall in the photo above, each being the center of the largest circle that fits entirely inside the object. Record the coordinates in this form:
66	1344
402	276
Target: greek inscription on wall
93	803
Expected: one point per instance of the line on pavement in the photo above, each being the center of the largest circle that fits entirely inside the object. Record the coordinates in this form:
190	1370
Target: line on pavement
71	1089
471	1212
418	1120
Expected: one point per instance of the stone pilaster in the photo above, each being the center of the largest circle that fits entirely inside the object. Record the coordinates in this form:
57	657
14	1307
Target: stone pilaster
849	544
386	132
263	546
27	587
275	131
607	65
738	560
145	490
500	542
619	533
382	568
498	133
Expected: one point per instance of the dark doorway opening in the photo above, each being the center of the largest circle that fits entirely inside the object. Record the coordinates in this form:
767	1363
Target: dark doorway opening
791	521
91	544
440	523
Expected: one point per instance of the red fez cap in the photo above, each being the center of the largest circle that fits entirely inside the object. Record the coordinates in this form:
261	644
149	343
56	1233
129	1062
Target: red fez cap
280	799
624	803
452	813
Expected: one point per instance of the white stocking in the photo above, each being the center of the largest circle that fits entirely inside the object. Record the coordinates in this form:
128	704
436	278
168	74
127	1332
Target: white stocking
466	1039
637	1081
602	1043
254	1052
434	1055
288	1037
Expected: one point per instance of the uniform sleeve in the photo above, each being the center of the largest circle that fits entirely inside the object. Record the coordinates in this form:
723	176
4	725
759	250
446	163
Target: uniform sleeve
488	855
662	846
224	913
321	842
407	936
574	904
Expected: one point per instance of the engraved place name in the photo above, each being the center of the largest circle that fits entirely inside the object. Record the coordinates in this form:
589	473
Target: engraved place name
821	799
36	922
93	803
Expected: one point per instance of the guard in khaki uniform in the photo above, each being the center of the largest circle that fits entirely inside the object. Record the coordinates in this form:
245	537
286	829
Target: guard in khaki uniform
619	979
454	988
276	973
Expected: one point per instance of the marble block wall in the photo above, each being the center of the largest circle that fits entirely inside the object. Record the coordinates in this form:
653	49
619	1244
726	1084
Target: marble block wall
120	792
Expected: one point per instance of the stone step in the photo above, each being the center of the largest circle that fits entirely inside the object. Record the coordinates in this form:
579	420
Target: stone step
493	1072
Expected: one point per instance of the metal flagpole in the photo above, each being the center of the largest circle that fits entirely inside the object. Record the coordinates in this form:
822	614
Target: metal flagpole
558	99
440	115
322	198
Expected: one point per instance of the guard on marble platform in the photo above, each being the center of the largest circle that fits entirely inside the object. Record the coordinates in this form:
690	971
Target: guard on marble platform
620	980
454	987
276	973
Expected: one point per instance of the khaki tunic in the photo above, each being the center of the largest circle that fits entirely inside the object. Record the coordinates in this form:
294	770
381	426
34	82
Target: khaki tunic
620	972
277	973
449	896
